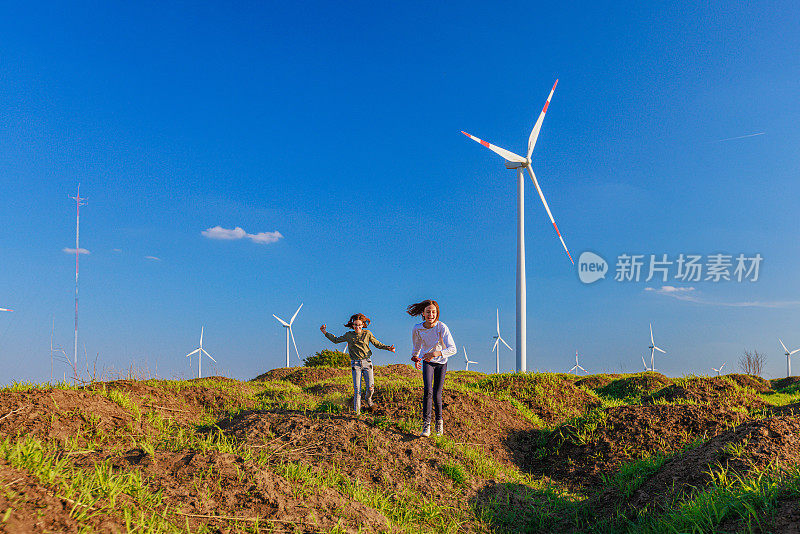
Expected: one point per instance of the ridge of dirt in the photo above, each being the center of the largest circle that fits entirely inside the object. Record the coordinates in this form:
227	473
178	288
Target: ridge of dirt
627	433
750	446
781	383
551	398
754	382
634	386
706	390
596	381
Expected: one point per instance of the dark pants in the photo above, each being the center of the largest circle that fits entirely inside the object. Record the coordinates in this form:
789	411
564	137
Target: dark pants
433	378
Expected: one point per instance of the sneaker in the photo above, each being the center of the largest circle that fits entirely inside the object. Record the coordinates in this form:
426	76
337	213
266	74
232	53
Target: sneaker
426	430
439	427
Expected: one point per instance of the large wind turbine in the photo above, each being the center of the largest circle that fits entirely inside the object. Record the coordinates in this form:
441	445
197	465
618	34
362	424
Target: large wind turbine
200	351
497	340
515	161
788	358
466	358
653	350
289	332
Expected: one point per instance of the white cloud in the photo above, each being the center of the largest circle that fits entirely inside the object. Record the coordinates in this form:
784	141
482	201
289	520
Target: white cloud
265	237
688	294
218	232
152	258
72	251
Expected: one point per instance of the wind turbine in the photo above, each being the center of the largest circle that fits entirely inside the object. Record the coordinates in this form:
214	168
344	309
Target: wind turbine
497	340
289	332
720	368
466	358
788	358
645	365
200	351
577	366
515	161
653	350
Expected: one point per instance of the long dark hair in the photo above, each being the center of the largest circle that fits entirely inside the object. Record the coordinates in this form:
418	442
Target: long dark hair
357	317
419	307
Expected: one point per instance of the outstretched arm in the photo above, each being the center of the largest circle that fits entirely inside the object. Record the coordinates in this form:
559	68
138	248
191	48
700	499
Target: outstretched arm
378	344
331	336
416	342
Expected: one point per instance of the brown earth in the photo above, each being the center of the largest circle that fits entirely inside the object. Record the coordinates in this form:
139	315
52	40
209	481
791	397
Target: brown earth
627	433
708	390
781	383
634	386
756	383
596	381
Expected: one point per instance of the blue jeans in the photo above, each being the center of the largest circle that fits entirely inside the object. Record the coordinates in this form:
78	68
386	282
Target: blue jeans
433	379
359	368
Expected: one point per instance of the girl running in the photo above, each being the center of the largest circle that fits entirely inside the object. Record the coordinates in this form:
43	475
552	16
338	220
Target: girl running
360	356
433	340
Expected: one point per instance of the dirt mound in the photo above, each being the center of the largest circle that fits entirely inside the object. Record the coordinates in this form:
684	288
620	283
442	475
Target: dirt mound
583	452
756	383
783	383
199	484
377	456
323	389
465	377
303	376
707	390
551	398
468	417
399	370
62	414
635	385
750	446
596	381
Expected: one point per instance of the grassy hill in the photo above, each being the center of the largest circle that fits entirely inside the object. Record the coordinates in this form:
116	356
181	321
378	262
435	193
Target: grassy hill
285	453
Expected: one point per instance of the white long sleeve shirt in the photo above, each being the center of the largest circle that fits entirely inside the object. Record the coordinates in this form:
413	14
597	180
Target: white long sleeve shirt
437	337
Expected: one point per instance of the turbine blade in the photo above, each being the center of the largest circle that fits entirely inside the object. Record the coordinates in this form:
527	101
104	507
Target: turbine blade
651	335
201	335
795	350
284	323
293	343
660	350
295	313
644	363
195	351
549	214
504	343
6	309
498	322
210	356
538	126
502	152
782	345
496	341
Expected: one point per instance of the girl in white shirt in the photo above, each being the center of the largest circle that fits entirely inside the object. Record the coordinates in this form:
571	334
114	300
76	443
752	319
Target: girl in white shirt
433	340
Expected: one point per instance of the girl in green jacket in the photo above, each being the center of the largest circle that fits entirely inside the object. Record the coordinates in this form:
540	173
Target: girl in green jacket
358	341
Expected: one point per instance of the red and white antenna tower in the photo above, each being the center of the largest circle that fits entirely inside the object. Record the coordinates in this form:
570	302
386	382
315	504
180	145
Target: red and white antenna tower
79	202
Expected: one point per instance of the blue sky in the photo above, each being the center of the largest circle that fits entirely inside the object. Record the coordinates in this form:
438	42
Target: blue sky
338	128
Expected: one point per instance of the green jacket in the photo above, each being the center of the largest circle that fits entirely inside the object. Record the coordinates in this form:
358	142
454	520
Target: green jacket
358	344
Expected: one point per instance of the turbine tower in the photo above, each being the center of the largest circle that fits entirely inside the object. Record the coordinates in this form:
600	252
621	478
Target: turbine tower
788	358
515	161
497	340
289	332
653	350
577	366
466	358
78	203
200	351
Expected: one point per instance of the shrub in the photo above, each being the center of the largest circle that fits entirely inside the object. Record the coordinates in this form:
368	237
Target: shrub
328	358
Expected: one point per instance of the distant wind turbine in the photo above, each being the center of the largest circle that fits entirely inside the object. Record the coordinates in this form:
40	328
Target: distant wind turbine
788	358
467	360
520	163
289	332
200	351
577	366
720	368
653	350
497	340
78	202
